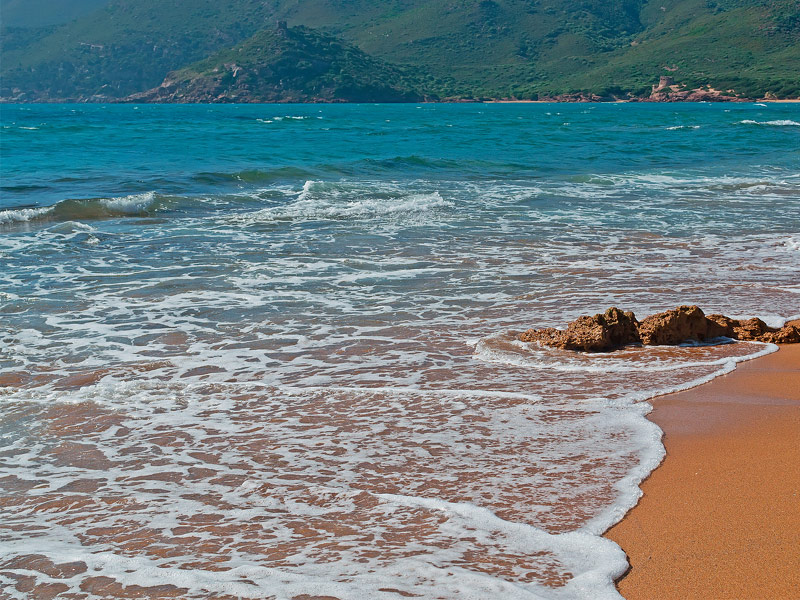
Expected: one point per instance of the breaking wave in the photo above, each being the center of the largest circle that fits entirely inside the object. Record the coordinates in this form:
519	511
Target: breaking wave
98	208
777	123
320	200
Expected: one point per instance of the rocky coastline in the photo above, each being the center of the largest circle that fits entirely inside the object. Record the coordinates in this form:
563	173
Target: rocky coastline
616	328
164	96
171	92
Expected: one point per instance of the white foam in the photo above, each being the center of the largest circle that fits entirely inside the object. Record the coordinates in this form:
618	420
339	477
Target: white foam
727	366
323	200
646	359
152	409
21	215
68	227
345	372
131	204
596	560
775	123
793	243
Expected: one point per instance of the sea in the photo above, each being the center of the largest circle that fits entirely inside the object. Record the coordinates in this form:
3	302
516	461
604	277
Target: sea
269	351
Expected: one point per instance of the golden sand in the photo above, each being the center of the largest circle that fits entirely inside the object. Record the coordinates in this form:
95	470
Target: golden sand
720	518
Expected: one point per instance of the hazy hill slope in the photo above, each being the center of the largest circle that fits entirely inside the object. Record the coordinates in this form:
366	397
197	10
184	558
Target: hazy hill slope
287	65
132	44
484	45
750	46
125	47
41	13
470	48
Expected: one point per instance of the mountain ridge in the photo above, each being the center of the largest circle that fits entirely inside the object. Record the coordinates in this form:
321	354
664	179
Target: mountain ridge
468	50
285	64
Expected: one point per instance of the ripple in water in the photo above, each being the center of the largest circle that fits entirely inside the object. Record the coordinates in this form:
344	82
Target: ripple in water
286	383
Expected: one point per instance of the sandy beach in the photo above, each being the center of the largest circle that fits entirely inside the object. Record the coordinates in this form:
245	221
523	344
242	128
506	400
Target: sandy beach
720	518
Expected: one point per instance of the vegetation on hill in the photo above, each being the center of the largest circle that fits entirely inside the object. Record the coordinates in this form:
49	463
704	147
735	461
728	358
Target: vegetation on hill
41	13
467	49
750	47
125	47
288	65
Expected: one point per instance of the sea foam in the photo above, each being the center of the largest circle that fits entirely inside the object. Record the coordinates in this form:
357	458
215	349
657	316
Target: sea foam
332	201
297	377
774	123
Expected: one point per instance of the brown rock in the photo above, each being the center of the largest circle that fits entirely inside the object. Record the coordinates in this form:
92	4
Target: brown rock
721	326
756	330
751	329
615	329
676	326
790	334
612	329
549	337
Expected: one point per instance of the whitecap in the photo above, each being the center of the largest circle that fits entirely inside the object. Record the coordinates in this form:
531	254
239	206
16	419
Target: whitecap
320	200
134	203
21	215
776	123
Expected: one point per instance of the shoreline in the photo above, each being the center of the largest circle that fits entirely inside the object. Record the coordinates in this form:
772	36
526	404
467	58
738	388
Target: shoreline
11	102
720	517
639	101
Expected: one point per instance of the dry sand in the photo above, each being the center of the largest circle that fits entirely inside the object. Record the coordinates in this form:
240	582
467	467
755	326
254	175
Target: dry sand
720	518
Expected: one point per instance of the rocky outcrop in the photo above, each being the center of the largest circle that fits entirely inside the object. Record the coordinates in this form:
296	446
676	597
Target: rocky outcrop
668	91
616	328
612	329
675	326
756	330
788	334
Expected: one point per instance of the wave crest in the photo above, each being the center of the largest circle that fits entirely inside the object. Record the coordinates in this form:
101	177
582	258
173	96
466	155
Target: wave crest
82	210
320	200
776	123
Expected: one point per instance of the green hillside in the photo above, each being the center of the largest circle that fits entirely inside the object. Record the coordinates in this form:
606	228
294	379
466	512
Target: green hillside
125	47
750	47
41	13
464	48
288	65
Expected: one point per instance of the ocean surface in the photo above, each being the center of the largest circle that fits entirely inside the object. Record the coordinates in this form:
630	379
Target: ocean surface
269	352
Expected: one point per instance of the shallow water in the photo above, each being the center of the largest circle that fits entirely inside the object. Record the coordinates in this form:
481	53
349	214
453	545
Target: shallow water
256	351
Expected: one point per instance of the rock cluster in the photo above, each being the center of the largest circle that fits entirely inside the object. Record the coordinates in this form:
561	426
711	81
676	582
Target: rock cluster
668	91
615	328
612	329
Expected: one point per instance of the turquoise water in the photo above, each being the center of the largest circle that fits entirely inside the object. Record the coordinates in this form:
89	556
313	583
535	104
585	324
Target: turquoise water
257	350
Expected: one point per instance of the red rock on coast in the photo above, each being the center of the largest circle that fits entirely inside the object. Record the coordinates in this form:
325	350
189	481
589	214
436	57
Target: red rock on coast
616	328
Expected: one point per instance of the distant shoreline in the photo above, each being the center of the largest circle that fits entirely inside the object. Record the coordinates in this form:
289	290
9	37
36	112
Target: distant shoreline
748	101
7	101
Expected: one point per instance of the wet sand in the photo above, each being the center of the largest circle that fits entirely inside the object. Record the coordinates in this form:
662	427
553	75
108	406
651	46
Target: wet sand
720	518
